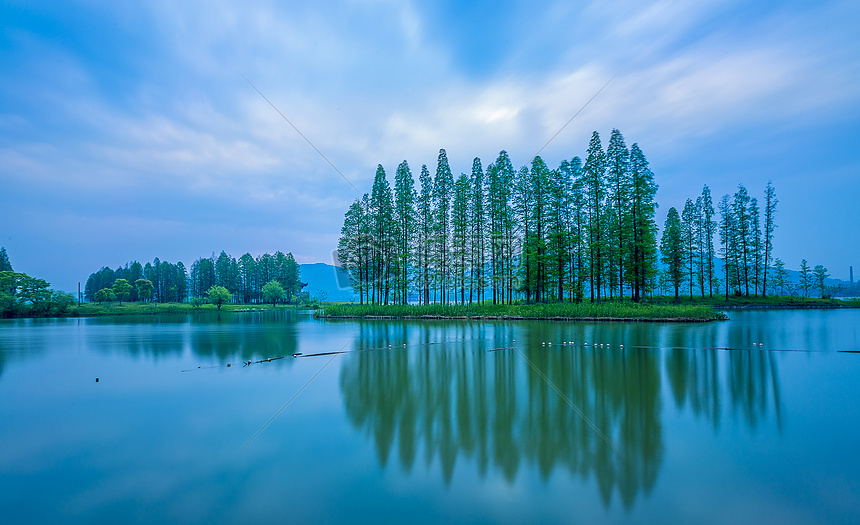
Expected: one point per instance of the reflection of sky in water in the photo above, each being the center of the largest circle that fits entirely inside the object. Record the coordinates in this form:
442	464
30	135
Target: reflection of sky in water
432	431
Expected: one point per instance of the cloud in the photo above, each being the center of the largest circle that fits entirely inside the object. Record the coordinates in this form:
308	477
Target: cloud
160	122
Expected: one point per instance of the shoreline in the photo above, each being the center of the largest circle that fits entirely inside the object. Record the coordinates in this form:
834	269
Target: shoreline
522	318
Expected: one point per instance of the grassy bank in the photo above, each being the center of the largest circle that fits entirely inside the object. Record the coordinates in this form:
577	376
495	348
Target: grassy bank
96	310
583	311
753	301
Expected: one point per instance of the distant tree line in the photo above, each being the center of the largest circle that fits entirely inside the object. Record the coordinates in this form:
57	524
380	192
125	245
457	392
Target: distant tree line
688	251
540	234
161	281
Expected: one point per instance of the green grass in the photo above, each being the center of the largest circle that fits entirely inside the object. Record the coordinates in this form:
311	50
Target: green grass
607	311
95	309
770	301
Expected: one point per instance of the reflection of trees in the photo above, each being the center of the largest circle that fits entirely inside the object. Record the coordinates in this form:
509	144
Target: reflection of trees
246	336
458	401
750	377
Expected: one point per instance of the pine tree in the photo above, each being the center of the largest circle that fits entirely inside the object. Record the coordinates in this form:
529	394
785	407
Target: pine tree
756	244
5	265
769	227
425	232
728	238
805	277
524	206
644	228
381	215
404	218
672	249
619	184
460	234
442	190
595	190
689	234
478	229
740	210
708	229
559	227
540	188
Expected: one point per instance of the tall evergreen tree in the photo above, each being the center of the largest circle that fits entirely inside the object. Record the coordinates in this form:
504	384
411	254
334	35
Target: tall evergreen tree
442	190
425	232
478	230
643	208
619	184
5	265
594	183
769	226
460	234
404	217
559	227
381	212
689	217
672	249
708	229
740	210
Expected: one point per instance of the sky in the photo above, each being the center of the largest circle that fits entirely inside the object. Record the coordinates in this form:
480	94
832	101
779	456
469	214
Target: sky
127	130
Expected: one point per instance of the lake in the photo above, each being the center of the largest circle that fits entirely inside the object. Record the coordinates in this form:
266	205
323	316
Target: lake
141	420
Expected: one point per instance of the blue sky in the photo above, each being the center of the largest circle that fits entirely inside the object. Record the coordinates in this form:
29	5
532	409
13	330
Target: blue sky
127	131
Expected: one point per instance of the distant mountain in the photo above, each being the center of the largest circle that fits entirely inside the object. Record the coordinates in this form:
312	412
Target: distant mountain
327	280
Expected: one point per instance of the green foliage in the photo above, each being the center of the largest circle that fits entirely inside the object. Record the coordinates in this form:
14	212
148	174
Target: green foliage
105	295
820	274
610	310
144	289
672	249
218	295
121	288
5	265
25	296
273	292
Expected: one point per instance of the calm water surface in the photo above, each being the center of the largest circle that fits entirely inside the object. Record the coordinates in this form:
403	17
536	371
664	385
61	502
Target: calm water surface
469	421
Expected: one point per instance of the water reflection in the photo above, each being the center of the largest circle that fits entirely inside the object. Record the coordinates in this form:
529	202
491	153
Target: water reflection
450	396
248	336
447	395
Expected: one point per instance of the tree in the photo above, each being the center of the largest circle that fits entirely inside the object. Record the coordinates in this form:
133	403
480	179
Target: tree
781	280
442	191
595	188
381	216
477	232
121	288
273	292
805	277
460	234
643	207
619	184
708	228
770	202
820	274
144	289
5	265
689	235
218	295
104	295
425	232
672	249
404	219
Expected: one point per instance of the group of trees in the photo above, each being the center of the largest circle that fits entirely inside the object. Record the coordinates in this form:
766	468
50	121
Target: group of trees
535	233
247	277
688	251
158	281
808	279
25	296
244	280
